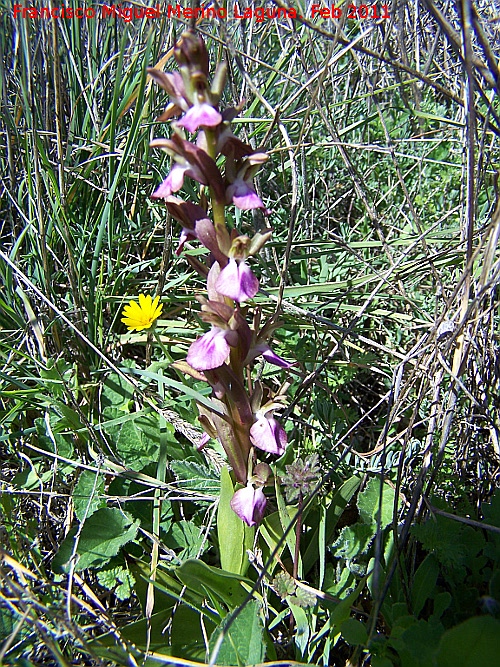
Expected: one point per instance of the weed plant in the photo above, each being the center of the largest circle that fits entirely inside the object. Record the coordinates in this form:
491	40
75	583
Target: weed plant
383	271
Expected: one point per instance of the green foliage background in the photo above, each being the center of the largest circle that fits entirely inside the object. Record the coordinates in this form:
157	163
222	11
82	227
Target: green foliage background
383	268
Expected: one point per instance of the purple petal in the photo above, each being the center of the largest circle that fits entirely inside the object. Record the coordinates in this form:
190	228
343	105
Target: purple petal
205	232
268	435
172	183
205	438
209	351
273	358
243	195
264	350
200	114
237	281
186	235
249	504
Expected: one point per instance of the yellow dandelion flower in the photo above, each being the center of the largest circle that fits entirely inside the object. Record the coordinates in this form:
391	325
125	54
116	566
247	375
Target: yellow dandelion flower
142	315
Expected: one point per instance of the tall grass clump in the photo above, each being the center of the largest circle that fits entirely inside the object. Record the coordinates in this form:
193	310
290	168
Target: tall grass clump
367	532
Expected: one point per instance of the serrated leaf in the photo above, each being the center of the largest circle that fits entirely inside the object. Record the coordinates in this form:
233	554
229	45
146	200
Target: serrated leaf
102	536
136	441
369	502
86	494
353	540
196	477
188	536
243	643
118	579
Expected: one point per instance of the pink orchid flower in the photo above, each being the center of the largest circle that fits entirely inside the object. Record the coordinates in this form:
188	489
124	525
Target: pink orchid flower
249	504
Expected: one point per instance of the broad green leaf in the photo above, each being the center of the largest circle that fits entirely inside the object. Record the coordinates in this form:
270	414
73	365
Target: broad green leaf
354	632
101	537
185	639
229	528
342	610
204	579
7	623
116	393
369	502
86	495
418	643
52	436
424	583
441	603
474	643
243	643
272	532
381	661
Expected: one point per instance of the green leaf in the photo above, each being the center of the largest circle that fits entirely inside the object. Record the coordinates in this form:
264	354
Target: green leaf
185	638
441	603
86	495
380	661
424	583
136	441
302	630
243	643
188	536
453	543
196	477
101	537
272	532
116	394
230	529
354	632
50	437
475	643
369	502
202	578
353	540
342	610
286	513
333	513
118	579
417	644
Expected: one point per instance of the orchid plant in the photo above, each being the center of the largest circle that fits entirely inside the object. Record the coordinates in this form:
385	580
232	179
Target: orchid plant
242	417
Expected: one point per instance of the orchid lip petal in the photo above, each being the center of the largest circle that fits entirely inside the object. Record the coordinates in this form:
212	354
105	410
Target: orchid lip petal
172	183
249	504
237	281
244	196
200	115
268	435
210	351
